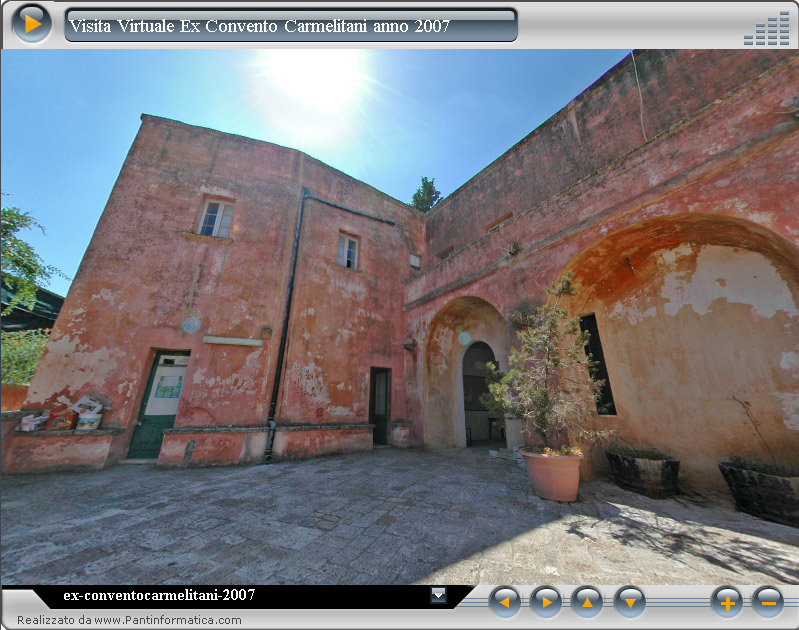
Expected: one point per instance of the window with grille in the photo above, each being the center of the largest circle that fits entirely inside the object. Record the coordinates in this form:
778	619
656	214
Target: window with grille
216	218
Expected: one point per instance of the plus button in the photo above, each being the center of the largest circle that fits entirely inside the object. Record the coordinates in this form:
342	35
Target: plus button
728	603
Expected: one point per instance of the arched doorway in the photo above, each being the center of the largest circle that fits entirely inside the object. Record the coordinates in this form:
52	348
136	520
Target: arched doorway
479	422
698	317
453	330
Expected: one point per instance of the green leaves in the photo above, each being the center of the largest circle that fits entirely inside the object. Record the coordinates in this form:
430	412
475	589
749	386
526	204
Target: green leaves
21	352
22	268
549	382
426	196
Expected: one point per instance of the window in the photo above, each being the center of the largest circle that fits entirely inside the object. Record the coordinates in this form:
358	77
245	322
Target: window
347	251
498	223
216	218
445	253
605	405
415	261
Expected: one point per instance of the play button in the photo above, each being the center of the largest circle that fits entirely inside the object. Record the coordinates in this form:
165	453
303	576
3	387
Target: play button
546	601
31	23
505	601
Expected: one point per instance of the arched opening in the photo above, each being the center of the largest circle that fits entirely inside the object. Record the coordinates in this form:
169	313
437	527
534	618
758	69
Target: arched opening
456	328
480	424
698	317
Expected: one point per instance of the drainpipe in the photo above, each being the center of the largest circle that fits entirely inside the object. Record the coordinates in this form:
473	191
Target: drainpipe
306	194
284	333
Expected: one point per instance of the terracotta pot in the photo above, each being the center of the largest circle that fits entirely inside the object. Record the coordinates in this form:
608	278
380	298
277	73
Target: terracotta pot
554	477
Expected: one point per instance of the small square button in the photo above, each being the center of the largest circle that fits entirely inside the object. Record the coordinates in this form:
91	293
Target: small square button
438	594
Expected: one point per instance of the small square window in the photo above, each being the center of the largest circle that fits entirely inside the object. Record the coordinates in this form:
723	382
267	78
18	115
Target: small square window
216	218
415	261
347	251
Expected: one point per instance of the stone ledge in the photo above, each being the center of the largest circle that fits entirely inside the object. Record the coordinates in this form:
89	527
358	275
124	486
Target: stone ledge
259	428
206	239
334	426
66	433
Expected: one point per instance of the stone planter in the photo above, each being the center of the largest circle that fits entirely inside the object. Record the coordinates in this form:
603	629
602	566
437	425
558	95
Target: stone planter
553	477
772	497
656	478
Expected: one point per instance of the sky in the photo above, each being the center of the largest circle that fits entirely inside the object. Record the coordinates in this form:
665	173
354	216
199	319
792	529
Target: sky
385	117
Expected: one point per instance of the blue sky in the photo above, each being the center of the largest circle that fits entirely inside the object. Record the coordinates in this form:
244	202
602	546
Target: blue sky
386	117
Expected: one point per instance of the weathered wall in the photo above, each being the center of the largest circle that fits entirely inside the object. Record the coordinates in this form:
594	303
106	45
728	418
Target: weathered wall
596	128
736	161
146	270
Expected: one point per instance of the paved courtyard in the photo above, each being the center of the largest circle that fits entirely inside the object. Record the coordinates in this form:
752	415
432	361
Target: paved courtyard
385	517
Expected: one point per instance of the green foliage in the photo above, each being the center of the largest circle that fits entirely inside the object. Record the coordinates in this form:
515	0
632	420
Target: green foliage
21	352
426	196
22	268
549	384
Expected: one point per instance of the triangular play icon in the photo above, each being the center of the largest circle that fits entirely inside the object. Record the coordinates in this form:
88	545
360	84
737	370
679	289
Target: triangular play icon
587	603
506	602
546	602
630	602
31	24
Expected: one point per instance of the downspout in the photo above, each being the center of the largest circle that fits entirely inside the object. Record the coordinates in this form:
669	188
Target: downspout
284	334
270	422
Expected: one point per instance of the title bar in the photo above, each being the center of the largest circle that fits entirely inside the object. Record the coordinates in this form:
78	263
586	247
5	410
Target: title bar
297	25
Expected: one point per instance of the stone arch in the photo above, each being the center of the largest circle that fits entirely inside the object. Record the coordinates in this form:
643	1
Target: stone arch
455	327
695	311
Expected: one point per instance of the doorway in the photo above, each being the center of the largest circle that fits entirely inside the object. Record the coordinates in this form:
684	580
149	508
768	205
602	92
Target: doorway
160	403
380	403
481	424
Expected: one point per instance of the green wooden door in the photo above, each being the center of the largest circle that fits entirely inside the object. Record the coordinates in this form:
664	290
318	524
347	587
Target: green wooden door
160	403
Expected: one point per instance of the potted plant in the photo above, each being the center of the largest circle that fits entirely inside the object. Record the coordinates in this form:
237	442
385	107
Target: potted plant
646	470
549	387
762	489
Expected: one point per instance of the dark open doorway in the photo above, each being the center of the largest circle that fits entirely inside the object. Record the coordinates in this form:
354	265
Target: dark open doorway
481	424
380	402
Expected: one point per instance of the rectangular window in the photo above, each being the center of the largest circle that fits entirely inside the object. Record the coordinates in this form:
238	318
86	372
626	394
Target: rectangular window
415	261
347	251
216	218
445	253
498	223
605	405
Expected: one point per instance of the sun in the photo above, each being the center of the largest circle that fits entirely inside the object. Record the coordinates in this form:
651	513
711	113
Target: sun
326	80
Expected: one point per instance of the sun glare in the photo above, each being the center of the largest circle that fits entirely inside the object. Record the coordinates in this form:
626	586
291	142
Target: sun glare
327	80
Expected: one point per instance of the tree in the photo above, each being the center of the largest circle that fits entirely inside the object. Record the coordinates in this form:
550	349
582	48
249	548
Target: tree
549	384
22	268
426	196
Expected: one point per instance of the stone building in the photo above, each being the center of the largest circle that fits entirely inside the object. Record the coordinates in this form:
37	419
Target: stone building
679	218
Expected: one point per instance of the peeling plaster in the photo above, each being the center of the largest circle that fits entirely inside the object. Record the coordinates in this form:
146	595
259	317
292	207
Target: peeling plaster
789	404
749	279
632	309
105	294
311	381
790	361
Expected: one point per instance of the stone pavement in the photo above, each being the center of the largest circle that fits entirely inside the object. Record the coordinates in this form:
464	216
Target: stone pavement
385	517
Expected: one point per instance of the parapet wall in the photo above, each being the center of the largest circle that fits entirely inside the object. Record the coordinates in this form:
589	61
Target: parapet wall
596	128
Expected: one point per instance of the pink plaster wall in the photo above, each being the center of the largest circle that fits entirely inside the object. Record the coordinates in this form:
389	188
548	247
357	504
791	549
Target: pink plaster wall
144	272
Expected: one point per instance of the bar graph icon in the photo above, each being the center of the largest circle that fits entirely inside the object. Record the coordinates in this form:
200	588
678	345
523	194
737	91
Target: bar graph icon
773	31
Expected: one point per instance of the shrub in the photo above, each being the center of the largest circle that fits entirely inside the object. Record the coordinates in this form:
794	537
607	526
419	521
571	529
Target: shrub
21	352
